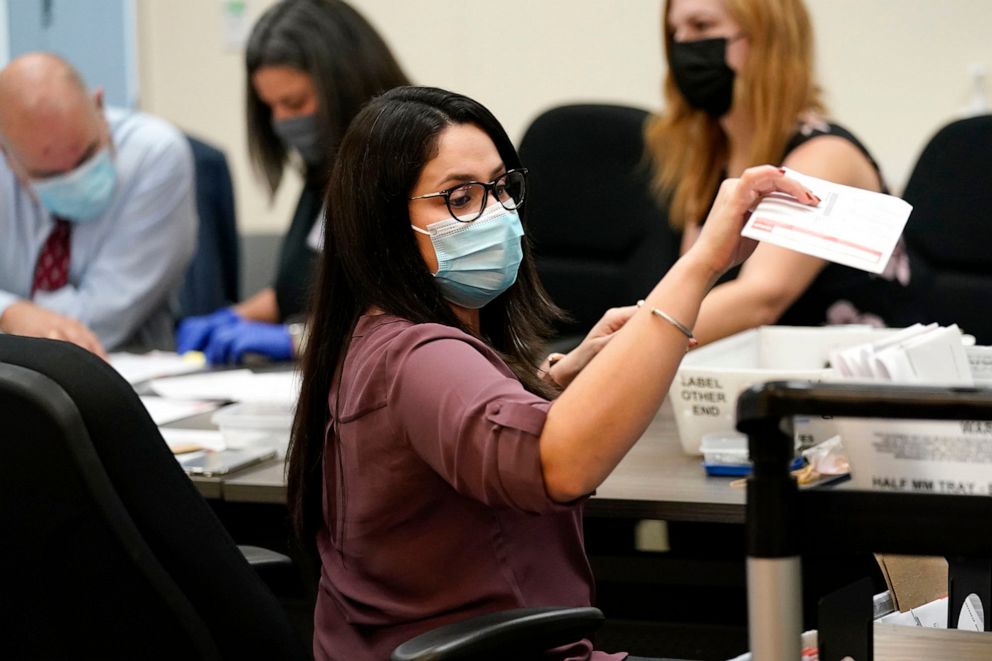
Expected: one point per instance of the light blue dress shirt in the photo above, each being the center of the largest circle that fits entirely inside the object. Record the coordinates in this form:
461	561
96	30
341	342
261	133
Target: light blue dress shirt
127	265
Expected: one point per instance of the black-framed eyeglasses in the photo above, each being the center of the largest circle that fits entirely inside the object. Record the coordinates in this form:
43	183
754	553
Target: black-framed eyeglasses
467	201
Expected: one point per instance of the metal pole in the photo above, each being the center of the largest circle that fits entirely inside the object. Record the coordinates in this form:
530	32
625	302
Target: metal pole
774	607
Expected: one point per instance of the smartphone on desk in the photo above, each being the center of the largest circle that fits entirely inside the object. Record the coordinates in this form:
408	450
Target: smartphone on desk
221	462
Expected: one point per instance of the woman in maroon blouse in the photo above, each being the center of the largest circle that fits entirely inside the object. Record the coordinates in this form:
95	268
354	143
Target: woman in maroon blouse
440	471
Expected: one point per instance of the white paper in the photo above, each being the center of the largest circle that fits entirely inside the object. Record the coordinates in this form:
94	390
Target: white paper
138	367
980	360
164	411
869	365
850	226
931	355
933	615
859	361
948	457
233	385
808	641
936	357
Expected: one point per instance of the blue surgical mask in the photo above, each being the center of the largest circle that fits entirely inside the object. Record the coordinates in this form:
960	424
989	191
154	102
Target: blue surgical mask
82	194
476	261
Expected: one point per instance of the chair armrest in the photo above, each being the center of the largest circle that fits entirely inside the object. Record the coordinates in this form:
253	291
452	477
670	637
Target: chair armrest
262	559
511	634
275	569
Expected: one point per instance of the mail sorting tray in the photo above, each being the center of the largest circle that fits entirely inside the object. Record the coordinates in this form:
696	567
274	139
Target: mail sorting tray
783	523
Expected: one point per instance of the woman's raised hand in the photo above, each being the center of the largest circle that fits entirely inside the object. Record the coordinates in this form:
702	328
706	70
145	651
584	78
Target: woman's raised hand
720	243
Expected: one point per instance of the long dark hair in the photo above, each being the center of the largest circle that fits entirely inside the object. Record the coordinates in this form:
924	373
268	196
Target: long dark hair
371	258
346	58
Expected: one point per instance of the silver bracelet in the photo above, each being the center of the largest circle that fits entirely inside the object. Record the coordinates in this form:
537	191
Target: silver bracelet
682	328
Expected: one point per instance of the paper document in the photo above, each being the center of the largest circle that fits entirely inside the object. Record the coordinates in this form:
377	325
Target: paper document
851	226
933	615
980	360
138	367
930	354
936	357
233	385
164	410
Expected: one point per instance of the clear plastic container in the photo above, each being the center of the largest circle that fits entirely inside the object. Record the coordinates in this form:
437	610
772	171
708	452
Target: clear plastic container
725	448
256	424
726	454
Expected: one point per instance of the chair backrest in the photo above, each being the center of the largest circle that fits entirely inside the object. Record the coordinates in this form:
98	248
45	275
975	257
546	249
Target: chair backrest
212	279
600	236
951	226
109	551
951	193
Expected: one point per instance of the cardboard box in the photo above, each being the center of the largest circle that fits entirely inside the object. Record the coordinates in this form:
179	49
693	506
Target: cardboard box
913	580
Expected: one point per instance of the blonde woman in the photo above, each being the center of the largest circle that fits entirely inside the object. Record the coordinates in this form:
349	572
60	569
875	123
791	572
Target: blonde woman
740	91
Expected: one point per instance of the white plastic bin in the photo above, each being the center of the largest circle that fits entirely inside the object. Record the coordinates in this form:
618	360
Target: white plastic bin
256	424
704	392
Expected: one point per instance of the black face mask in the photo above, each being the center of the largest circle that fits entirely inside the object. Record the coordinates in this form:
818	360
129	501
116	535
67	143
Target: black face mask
701	73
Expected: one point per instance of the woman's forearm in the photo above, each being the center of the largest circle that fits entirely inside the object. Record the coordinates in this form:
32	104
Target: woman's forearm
767	286
733	307
605	409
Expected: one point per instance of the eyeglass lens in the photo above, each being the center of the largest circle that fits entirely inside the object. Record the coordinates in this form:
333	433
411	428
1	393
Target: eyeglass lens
466	203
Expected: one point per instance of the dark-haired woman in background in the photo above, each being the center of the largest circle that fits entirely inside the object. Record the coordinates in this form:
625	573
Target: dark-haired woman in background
311	65
428	464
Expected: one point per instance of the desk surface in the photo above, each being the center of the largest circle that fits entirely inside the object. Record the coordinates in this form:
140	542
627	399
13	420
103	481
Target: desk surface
656	480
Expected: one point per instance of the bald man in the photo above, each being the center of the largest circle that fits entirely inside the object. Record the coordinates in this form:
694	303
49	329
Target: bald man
97	213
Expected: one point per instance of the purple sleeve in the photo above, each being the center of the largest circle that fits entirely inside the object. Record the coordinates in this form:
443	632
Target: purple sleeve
475	425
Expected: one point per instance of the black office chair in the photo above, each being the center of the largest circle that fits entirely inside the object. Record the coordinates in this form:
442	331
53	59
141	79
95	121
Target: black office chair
522	633
600	236
110	552
950	228
212	279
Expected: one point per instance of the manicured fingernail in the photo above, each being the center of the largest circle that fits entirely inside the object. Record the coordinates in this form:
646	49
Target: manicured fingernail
782	170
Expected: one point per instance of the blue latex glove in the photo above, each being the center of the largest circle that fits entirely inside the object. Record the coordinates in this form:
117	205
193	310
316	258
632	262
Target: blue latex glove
230	343
194	333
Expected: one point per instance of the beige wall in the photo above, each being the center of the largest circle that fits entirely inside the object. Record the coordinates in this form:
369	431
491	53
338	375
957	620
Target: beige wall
189	76
894	70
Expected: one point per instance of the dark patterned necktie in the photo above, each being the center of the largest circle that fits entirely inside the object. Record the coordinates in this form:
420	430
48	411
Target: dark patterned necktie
51	272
